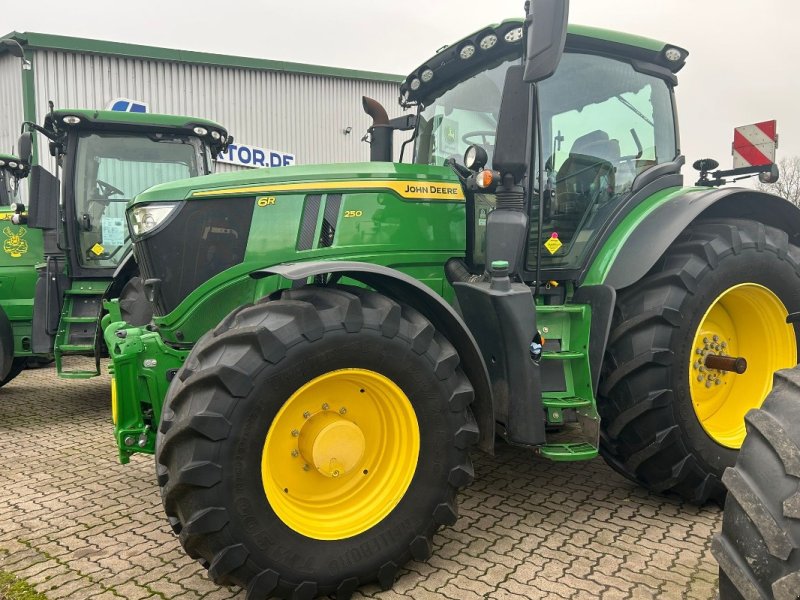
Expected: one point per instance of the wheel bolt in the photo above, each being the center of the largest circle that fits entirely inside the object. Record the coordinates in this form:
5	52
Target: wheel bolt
699	351
306	468
700	378
718	381
306	415
716	338
708	383
295	453
325	406
295	433
343	411
697	364
705	341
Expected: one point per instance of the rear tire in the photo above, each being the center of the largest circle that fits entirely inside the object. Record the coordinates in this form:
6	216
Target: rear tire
650	404
222	434
759	548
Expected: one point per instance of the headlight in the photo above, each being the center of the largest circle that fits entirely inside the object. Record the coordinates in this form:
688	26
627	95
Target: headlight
149	216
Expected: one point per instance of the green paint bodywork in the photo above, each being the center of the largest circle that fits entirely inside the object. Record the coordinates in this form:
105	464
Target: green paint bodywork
111	119
22	250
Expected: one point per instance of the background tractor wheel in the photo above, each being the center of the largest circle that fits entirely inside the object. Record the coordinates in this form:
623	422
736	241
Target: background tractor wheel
18	365
759	548
670	422
314	443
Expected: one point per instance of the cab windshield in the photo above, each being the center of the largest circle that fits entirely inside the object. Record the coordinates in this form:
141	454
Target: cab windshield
110	169
603	124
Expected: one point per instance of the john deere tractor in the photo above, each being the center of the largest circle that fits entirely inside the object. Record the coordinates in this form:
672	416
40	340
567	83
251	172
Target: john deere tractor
329	342
71	248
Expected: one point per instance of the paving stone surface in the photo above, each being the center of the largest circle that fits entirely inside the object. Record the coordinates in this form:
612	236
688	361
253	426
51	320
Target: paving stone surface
78	525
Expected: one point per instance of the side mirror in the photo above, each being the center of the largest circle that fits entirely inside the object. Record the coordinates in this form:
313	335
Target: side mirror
42	199
511	144
25	148
771	176
546	30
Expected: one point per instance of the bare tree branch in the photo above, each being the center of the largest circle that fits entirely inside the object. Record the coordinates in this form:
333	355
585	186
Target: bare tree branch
788	186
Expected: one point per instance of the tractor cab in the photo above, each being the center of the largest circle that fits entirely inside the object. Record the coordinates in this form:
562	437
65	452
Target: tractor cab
607	124
103	159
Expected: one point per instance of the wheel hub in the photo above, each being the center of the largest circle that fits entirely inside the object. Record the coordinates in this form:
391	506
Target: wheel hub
331	444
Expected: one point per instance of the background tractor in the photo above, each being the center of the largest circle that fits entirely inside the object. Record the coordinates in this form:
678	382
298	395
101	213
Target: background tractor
73	248
22	250
328	342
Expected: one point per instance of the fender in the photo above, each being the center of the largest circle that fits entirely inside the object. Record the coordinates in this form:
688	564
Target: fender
648	242
405	289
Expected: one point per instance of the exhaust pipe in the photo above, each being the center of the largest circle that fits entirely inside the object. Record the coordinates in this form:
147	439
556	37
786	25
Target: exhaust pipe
380	132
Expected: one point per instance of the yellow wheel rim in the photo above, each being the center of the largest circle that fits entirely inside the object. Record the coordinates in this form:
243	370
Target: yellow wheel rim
340	454
747	320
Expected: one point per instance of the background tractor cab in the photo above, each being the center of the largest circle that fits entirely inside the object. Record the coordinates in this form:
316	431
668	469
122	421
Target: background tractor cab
103	159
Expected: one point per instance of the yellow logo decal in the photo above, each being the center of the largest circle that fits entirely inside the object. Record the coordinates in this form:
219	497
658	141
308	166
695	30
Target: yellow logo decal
553	244
266	201
97	249
14	244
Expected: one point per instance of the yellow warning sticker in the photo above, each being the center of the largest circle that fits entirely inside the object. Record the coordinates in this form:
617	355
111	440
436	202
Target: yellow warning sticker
97	249
553	244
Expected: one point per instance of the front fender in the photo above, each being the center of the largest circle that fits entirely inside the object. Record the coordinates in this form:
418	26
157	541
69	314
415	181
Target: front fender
658	230
405	289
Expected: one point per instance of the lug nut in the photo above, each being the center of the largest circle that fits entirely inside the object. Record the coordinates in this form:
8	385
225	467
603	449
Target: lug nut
325	406
295	433
716	338
306	468
700	378
705	340
306	415
295	453
708	383
343	411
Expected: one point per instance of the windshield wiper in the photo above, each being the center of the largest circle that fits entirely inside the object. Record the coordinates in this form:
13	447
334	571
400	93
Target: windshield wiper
635	110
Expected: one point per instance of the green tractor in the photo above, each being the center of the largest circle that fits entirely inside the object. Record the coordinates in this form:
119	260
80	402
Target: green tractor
71	249
329	342
22	250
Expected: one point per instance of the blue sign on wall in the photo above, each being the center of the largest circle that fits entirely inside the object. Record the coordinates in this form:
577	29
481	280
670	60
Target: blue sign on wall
127	105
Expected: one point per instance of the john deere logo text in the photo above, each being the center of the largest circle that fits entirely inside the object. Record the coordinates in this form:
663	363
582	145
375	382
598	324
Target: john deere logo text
433	189
14	244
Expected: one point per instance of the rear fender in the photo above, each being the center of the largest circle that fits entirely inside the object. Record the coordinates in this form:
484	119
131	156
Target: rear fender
651	238
407	290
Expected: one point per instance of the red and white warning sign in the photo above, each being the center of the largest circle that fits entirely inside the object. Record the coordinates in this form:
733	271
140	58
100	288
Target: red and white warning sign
754	145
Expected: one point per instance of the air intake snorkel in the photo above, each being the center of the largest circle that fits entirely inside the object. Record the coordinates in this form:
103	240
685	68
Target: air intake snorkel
379	135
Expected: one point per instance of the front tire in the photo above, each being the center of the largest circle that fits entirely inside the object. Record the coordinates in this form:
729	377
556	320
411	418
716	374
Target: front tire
723	287
281	418
759	548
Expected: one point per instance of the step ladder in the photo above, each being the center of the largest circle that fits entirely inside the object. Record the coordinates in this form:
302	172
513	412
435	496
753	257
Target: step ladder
79	327
578	437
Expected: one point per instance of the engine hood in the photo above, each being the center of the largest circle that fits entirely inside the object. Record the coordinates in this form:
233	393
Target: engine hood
411	181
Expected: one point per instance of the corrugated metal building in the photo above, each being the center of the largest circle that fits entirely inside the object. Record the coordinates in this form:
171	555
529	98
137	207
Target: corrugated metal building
309	111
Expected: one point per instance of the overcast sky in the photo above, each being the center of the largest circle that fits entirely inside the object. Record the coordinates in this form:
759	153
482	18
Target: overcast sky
742	66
